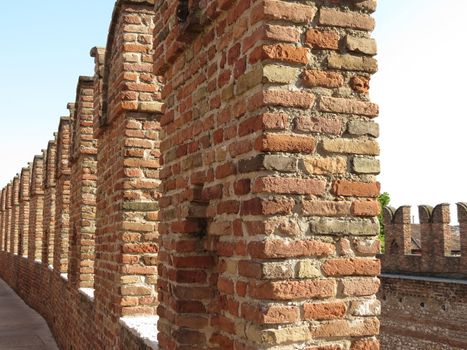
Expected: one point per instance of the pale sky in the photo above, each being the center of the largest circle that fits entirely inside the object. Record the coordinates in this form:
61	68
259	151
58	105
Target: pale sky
420	86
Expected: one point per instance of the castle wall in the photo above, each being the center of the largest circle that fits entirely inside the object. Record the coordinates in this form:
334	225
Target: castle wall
423	296
227	187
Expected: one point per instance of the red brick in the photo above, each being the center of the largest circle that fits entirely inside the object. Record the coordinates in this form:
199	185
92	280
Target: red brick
360	286
351	267
366	208
354	20
358	189
285	98
286	53
293	290
365	344
314	78
284	249
289	11
322	39
319	125
289	185
324	311
285	143
282	33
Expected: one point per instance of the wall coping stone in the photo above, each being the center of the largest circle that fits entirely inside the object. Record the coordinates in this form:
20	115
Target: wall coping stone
424	278
144	327
88	293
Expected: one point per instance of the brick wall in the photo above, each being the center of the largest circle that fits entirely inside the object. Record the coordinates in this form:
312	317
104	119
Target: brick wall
423	295
228	184
435	258
423	313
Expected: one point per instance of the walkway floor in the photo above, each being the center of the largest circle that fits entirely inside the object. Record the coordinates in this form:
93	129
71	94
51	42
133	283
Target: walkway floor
21	327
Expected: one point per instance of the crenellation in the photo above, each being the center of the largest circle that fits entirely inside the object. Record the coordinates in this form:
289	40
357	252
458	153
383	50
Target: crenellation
14	232
8	221
435	256
24	202
49	202
62	197
83	191
2	216
36	209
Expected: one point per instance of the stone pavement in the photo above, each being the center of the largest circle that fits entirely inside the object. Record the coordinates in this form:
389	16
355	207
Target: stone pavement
20	326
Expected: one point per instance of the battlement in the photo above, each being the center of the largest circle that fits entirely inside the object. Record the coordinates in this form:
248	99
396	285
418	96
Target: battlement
436	254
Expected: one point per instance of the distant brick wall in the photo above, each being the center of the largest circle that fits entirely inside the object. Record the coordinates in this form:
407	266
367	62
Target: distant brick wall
228	183
423	295
423	313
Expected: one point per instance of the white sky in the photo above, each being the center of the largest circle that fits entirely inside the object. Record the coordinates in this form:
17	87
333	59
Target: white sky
421	90
420	87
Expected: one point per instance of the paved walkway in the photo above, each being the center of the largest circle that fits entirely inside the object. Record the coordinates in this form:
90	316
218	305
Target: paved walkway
21	327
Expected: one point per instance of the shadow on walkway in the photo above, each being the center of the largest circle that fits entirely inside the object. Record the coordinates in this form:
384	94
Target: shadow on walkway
20	326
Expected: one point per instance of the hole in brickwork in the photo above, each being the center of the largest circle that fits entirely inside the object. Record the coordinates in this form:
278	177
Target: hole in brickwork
182	11
422	304
455	231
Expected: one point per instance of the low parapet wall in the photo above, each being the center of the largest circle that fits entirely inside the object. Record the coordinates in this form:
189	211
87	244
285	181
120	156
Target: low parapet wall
69	312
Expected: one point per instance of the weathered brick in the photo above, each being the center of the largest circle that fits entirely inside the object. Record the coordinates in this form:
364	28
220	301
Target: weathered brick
308	269
281	10
285	143
352	63
278	336
280	163
365	344
282	248
367	307
360	286
279	74
360	128
313	78
348	106
282	33
354	20
342	328
293	290
277	270
360	84
351	146
321	39
366	208
324	311
325	165
326	208
285	98
286	53
351	267
359	189
334	226
361	45
249	80
367	246
318	124
366	5
276	314
288	186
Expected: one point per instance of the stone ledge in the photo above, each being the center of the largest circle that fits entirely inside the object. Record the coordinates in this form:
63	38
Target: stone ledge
424	278
88	293
143	327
